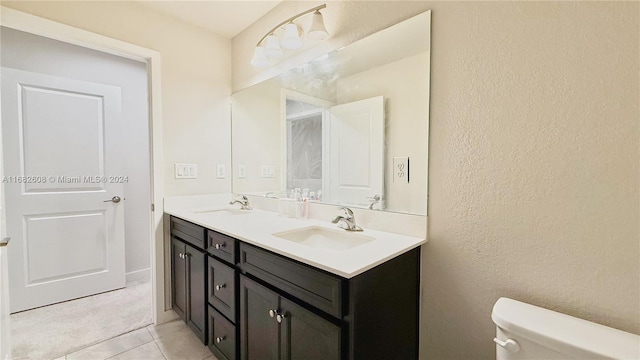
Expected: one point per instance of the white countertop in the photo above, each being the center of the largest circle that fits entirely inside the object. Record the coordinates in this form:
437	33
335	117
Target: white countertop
257	227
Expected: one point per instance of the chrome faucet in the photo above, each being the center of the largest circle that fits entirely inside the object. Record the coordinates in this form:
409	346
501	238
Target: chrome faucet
243	201
271	195
348	220
373	200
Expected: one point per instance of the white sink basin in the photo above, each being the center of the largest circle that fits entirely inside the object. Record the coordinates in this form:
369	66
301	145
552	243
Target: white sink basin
223	211
323	238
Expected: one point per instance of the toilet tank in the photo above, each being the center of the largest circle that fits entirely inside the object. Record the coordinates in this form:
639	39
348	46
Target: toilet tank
525	331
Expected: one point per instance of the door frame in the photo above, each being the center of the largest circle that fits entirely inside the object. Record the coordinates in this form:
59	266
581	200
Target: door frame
50	29
325	104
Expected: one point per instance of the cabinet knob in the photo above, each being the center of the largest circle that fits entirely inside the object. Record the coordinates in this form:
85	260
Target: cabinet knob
273	313
219	339
181	255
280	317
220	287
219	246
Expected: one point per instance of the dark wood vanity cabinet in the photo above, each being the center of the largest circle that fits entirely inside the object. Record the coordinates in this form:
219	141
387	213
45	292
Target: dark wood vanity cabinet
273	327
188	278
189	285
371	316
258	305
222	295
222	336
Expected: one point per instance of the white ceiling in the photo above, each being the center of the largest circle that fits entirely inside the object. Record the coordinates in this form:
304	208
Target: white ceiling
225	18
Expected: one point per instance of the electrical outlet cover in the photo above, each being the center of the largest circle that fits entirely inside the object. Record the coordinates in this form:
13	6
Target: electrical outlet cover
242	171
220	171
401	169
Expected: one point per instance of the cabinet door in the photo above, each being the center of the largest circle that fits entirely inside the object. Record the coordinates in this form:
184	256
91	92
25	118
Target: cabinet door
222	336
259	332
178	278
222	288
196	298
307	336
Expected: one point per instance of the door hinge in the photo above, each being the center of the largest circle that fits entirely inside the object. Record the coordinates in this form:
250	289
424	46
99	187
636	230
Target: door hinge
153	207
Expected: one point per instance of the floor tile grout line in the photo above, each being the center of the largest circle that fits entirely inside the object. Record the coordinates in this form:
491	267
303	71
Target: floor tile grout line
129	349
135	347
105	340
115	337
161	351
149	331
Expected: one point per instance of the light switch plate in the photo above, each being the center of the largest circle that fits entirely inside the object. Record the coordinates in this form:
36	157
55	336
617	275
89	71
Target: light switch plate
242	171
401	169
186	171
220	171
267	171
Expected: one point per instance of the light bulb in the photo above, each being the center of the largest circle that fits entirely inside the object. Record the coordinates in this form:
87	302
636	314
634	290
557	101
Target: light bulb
259	57
272	47
317	31
291	39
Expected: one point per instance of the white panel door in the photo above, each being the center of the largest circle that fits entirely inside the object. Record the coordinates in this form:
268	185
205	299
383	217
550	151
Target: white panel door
5	330
357	152
5	326
62	156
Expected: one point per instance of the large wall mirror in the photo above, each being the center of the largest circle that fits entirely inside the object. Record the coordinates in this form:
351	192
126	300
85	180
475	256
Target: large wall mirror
348	128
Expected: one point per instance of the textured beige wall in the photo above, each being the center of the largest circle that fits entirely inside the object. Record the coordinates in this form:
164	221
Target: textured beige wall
534	177
534	168
196	81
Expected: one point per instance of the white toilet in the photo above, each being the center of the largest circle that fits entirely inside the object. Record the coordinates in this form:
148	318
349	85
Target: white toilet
529	332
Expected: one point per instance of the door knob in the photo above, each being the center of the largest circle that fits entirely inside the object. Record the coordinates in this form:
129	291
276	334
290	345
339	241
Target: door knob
4	242
115	199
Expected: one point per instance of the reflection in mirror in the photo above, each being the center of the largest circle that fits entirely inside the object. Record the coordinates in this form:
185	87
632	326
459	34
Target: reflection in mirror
348	128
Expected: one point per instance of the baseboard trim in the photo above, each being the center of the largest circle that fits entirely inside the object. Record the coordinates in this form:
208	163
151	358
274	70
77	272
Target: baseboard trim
138	275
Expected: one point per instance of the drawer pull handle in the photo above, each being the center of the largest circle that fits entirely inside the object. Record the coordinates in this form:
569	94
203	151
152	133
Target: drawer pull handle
273	313
219	246
220	338
220	287
280	317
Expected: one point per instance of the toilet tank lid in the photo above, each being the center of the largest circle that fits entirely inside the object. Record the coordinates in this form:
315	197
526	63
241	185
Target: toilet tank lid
563	333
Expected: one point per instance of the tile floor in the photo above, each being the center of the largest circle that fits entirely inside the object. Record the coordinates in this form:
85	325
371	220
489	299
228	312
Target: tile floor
171	341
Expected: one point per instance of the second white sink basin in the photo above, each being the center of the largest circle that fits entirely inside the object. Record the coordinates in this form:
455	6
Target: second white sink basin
323	238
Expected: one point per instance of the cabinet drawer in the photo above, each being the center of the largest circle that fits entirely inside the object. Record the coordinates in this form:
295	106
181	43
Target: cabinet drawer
222	287
313	286
222	336
221	246
188	232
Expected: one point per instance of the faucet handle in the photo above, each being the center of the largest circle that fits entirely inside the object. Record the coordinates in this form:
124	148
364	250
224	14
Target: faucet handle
346	210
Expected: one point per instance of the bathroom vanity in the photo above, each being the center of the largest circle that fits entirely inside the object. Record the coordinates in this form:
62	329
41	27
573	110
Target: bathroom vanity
250	292
340	130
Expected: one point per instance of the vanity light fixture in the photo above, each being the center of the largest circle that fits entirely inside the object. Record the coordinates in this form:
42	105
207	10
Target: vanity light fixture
269	46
